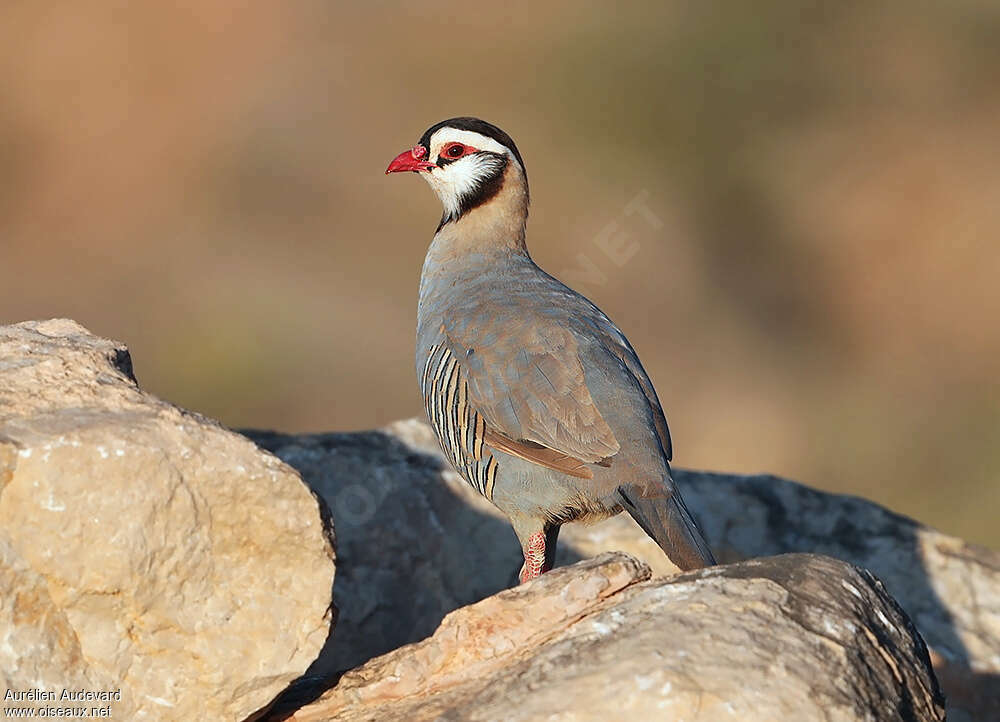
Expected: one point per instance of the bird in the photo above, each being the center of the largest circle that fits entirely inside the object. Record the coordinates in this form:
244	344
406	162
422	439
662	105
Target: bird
535	396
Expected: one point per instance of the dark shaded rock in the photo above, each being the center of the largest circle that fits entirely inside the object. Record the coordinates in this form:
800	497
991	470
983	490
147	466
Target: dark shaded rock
416	542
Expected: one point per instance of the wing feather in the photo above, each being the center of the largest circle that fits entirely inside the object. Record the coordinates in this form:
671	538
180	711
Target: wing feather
528	385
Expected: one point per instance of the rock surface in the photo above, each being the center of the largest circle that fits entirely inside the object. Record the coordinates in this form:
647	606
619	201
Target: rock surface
416	542
143	548
791	637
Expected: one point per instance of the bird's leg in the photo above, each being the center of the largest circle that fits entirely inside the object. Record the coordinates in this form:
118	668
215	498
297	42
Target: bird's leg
534	557
539	553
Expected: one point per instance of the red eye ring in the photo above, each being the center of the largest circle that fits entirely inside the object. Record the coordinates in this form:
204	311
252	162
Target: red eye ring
454	150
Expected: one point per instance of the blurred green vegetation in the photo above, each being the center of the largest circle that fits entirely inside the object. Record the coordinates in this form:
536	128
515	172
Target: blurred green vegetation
204	181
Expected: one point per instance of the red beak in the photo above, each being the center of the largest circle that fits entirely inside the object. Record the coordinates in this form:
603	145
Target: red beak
410	160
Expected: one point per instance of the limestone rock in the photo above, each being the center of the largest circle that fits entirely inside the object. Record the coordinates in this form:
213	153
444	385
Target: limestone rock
145	548
798	637
417	542
38	647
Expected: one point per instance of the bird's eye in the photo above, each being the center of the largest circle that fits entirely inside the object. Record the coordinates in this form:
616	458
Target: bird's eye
454	151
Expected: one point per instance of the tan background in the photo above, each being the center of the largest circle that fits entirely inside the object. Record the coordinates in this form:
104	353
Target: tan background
203	180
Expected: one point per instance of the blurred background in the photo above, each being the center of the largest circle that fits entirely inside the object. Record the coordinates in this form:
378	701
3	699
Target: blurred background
791	208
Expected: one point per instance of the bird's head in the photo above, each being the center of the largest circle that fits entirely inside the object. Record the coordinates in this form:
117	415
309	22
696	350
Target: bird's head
467	162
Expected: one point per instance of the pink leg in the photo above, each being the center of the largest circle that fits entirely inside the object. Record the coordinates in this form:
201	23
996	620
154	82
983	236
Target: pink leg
534	558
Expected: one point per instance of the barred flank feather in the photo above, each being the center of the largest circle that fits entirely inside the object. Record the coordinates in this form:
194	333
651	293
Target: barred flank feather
459	428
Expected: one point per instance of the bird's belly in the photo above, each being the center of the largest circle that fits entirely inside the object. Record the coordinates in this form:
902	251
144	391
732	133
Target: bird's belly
523	488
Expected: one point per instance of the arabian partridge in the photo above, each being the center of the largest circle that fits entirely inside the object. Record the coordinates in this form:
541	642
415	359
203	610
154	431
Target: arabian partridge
534	394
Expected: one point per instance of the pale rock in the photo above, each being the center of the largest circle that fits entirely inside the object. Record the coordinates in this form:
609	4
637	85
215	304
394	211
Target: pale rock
146	548
39	649
794	637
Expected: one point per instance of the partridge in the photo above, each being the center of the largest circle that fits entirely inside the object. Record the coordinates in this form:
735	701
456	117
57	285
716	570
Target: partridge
536	397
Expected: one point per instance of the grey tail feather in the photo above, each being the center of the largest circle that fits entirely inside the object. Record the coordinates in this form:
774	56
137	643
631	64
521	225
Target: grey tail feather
670	524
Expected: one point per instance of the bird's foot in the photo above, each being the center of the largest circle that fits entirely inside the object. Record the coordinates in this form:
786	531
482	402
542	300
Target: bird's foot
534	558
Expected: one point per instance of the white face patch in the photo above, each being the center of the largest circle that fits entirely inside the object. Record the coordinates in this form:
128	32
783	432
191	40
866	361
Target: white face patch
465	137
462	177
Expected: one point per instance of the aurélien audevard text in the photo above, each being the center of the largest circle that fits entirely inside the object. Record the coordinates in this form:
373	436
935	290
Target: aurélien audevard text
66	695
